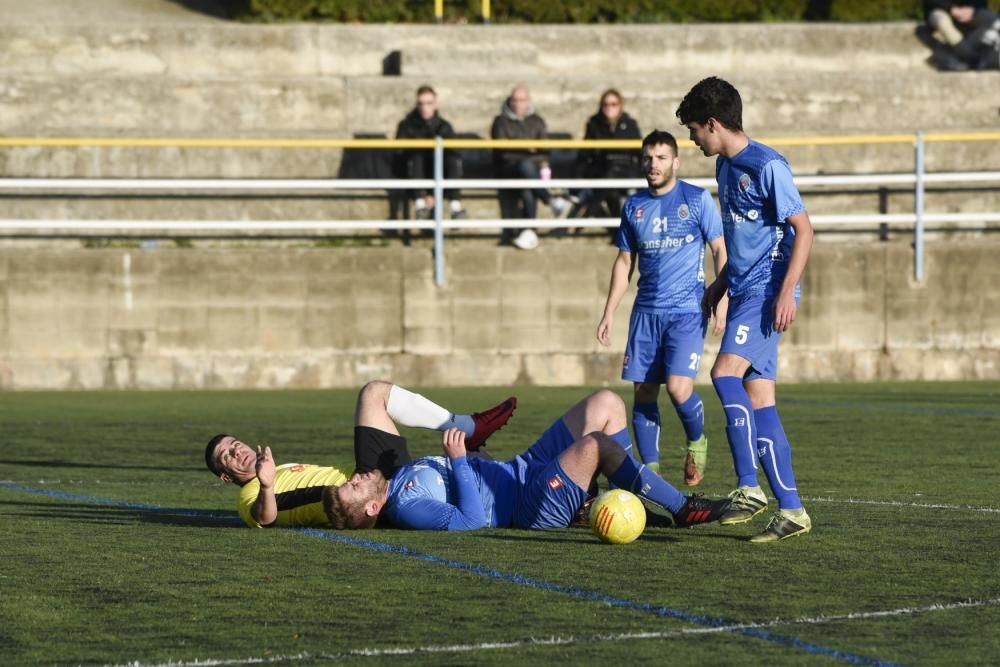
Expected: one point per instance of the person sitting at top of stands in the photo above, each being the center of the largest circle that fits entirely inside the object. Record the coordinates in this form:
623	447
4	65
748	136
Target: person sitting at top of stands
968	31
425	122
517	120
611	122
291	494
544	487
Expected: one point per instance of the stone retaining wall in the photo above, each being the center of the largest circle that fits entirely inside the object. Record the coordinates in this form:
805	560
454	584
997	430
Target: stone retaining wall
335	317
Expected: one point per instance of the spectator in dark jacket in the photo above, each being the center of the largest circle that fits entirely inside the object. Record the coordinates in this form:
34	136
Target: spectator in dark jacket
424	122
517	120
968	31
610	122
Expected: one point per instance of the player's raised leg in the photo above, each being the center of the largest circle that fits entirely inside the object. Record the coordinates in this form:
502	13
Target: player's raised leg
597	452
382	405
604	412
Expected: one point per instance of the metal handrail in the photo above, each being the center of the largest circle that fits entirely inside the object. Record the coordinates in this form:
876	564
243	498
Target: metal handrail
280	226
918	178
316	184
291	142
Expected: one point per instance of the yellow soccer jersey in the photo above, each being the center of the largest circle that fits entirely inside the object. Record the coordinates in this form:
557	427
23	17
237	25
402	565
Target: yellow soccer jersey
298	490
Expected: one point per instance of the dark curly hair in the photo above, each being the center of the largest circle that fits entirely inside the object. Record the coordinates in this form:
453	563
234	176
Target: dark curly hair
712	98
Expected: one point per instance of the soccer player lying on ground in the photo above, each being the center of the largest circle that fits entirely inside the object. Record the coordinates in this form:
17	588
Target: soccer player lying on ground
291	494
540	488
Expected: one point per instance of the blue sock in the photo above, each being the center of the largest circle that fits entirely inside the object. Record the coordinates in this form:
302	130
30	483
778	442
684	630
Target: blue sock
692	414
624	439
740	429
646	424
776	457
639	479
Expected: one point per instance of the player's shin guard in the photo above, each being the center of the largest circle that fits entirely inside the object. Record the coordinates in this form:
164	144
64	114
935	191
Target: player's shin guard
692	415
642	481
776	457
740	428
646	424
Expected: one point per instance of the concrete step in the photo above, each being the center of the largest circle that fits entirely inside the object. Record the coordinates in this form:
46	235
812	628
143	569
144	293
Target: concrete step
794	103
210	50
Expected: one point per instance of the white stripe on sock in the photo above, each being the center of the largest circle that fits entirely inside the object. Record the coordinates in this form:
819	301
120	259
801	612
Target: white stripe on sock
774	465
750	445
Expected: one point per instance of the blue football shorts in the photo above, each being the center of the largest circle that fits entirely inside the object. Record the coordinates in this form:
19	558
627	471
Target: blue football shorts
546	496
661	344
750	334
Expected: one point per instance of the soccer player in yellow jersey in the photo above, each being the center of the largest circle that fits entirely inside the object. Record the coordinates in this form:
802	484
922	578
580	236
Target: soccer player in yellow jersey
292	494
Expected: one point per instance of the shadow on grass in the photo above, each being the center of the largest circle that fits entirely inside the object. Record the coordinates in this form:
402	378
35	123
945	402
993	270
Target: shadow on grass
555	535
104	514
582	535
59	463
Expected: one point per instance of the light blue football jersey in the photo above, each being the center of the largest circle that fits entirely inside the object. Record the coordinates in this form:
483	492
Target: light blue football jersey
668	233
430	478
757	196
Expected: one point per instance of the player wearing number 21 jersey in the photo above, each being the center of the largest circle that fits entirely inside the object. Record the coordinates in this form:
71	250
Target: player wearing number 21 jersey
664	230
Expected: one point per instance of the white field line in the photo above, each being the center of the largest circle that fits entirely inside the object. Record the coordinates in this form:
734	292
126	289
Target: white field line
897	503
561	641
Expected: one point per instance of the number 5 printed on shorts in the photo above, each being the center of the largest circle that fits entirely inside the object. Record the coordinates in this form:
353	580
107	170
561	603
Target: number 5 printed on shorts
742	332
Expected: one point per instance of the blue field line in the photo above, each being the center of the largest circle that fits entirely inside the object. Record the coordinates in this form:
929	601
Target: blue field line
518	579
174	511
942	411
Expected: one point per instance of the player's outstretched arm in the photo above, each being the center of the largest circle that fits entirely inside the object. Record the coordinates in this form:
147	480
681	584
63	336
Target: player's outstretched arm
621	272
265	509
785	307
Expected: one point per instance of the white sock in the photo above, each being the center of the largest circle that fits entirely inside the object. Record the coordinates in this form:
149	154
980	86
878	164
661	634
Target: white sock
410	409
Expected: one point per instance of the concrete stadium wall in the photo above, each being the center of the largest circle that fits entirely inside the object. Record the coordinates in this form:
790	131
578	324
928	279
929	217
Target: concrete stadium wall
266	316
327	81
93	76
74	318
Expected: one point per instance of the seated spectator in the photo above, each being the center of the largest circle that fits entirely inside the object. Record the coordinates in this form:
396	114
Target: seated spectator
517	120
969	34
424	122
610	122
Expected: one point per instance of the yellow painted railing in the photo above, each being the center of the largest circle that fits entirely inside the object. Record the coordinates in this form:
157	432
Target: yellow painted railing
191	142
917	139
439	10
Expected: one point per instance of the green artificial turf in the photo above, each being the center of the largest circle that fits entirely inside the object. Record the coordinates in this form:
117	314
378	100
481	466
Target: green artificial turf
118	546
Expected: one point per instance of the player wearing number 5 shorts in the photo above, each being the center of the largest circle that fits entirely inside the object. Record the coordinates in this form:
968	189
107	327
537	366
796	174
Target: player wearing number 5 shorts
665	229
768	238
